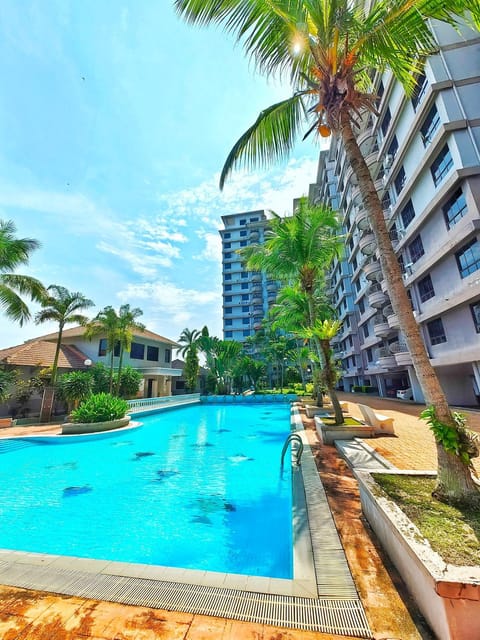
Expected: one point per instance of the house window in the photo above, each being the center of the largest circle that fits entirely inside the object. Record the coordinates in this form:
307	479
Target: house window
152	354
228	287
244	285
244	296
245	309
436	331
137	351
407	214
228	322
468	259
455	208
103	346
475	309
168	355
243	223
253	219
228	298
419	91
430	125
425	288
228	311
243	233
400	180
441	165
386	122
228	334
415	249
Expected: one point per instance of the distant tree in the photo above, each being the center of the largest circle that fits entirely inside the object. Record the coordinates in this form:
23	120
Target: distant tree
13	253
7	380
191	369
129	380
100	375
62	306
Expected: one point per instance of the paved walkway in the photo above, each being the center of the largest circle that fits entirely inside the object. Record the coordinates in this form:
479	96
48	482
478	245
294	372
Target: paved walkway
391	613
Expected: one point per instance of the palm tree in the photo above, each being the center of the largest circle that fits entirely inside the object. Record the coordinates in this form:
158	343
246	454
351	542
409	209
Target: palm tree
127	324
331	50
62	306
13	253
191	344
106	322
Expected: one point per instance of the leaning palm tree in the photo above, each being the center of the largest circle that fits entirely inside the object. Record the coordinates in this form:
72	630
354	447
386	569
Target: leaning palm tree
13	253
62	306
331	50
127	324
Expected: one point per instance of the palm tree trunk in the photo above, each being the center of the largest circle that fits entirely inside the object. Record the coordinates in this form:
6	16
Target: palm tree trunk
57	354
330	381
117	388
433	392
110	386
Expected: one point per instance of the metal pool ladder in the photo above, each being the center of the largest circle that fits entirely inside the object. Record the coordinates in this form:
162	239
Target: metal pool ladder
293	437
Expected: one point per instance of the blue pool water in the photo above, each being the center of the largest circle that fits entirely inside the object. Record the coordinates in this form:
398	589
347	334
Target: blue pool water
197	487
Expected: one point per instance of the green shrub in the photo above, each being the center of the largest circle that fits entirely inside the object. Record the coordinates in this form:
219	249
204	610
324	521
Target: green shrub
100	407
363	388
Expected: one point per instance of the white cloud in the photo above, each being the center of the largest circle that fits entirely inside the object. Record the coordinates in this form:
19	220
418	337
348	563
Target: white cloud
213	247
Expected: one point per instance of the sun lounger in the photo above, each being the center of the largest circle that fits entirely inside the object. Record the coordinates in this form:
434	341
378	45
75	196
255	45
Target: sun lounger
381	423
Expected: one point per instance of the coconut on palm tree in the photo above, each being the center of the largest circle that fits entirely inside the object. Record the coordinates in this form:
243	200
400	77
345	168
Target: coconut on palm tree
15	252
62	306
331	50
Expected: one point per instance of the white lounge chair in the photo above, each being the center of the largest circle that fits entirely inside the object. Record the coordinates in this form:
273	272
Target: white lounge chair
381	423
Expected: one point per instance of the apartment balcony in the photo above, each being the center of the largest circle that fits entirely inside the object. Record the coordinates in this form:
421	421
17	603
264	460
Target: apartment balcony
257	326
381	328
362	219
350	372
257	290
372	269
256	277
257	300
384	285
272	299
376	297
401	353
258	315
254	236
386	359
391	317
367	243
271	288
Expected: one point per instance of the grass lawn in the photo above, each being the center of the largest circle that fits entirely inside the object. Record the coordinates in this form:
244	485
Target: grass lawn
346	420
453	532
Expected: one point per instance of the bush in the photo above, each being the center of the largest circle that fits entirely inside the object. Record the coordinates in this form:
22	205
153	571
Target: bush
130	380
74	387
363	388
101	407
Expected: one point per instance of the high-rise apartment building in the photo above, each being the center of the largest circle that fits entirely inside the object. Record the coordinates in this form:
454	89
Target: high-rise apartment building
246	295
424	155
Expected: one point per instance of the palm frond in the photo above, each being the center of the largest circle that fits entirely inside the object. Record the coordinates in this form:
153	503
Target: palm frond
270	138
13	306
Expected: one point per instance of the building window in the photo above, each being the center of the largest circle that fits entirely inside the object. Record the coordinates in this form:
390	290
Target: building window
415	249
228	298
399	180
228	266
228	322
455	208
228	334
137	351
152	354
228	311
366	330
227	245
243	233
103	345
245	309
244	296
244	275
245	321
246	333
386	122
468	259
392	150
361	306
419	91
253	219
441	165
244	285
228	276
228	287
226	234
227	256
369	355
168	355
425	288
407	214
475	309
436	331
243	243
430	125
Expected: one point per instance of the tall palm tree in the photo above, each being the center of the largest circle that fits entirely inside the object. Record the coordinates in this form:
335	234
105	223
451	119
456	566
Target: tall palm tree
62	306
127	324
191	344
189	339
13	253
106	322
331	50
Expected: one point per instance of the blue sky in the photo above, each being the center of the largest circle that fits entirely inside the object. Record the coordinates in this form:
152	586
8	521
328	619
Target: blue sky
115	120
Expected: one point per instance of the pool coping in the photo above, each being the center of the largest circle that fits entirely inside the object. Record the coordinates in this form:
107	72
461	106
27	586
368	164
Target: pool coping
321	589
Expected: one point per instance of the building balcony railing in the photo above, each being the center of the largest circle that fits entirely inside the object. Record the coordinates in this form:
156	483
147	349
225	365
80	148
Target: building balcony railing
385	359
391	316
372	269
381	328
367	243
376	297
401	353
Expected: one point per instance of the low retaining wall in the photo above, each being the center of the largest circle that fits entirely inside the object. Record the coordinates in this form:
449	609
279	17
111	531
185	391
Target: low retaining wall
252	399
69	428
328	433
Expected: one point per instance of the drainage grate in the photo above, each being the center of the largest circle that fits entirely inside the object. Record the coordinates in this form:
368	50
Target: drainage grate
337	616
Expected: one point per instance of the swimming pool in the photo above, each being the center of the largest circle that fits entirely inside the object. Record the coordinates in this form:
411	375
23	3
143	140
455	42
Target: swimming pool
198	487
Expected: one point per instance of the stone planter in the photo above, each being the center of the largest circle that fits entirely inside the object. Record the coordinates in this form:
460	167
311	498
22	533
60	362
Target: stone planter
448	596
328	433
69	428
325	410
